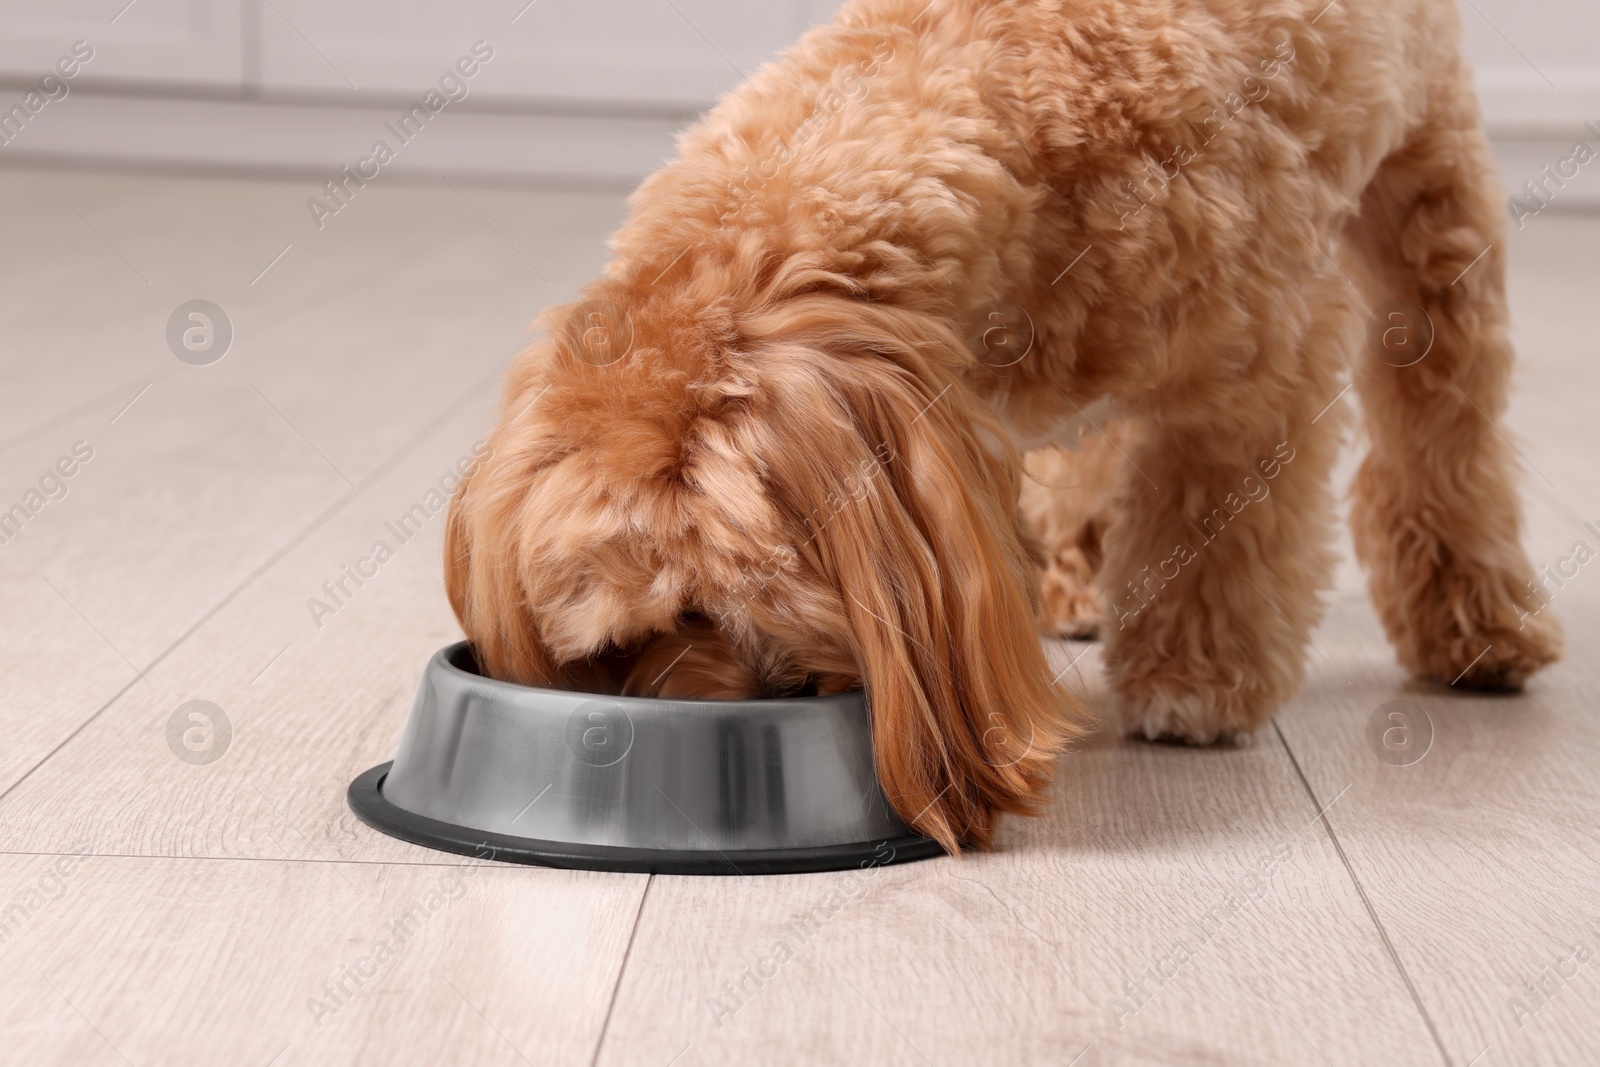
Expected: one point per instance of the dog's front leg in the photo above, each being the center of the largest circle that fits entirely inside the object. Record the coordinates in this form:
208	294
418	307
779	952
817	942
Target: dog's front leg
1220	550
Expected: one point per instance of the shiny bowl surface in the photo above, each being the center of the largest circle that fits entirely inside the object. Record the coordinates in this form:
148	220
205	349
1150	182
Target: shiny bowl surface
565	779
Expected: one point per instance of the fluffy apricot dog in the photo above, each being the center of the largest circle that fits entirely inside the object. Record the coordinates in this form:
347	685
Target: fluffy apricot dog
775	449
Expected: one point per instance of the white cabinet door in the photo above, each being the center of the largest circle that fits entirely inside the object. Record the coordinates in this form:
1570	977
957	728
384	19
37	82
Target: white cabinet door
673	52
172	42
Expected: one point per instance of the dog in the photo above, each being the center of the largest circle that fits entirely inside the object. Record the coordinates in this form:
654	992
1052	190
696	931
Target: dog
776	438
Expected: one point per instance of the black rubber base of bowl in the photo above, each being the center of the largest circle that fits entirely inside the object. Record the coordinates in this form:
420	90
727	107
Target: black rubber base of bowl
367	801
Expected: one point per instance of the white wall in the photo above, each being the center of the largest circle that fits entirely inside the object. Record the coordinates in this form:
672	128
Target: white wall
1538	61
678	52
577	88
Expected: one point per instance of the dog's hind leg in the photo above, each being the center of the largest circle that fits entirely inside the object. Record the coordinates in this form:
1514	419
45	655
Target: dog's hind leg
1066	506
1436	516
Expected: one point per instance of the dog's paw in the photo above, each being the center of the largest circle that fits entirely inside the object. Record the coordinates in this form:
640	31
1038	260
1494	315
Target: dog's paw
1071	606
1191	718
1474	633
1494	660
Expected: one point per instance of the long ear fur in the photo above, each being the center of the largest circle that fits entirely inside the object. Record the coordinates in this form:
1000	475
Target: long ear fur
937	588
486	558
480	567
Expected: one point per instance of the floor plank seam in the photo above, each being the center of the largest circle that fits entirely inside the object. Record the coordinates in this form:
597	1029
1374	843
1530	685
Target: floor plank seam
273	560
105	399
1366	902
622	971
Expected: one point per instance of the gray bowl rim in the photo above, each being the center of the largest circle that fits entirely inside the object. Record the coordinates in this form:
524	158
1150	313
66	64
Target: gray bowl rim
444	660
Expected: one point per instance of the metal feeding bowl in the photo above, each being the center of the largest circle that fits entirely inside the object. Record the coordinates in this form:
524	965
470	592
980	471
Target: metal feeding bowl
614	783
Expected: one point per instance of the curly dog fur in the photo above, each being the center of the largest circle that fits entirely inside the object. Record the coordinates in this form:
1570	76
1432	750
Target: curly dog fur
1068	504
767	431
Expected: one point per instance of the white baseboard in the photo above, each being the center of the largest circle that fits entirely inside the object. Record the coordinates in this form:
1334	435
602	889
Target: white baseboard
1535	117
1523	102
1532	125
1524	160
177	133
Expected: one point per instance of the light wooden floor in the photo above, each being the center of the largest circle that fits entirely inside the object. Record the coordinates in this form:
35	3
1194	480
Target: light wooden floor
210	912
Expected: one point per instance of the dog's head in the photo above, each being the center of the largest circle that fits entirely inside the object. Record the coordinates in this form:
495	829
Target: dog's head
814	483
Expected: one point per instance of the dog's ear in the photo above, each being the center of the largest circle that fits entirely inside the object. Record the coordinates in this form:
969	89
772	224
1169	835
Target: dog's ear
488	566
913	521
481	561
